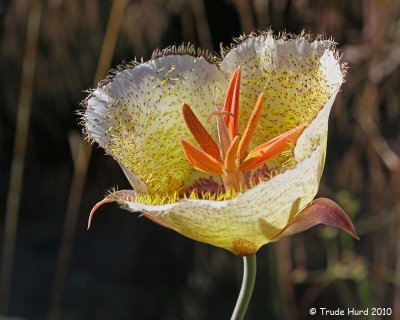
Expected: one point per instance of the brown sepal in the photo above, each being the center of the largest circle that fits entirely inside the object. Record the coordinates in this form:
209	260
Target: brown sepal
323	211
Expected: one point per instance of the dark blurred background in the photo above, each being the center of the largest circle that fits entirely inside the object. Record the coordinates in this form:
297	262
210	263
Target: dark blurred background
128	268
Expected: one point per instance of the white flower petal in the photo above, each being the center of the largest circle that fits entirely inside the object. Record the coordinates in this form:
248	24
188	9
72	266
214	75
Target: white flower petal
136	117
252	218
316	134
297	77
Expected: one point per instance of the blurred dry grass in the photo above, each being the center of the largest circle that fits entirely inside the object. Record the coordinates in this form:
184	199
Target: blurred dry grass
152	273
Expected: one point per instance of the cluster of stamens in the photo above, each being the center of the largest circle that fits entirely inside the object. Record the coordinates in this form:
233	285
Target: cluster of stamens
230	159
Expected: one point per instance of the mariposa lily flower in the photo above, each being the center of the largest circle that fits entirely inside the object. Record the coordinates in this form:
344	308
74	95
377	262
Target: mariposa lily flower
227	151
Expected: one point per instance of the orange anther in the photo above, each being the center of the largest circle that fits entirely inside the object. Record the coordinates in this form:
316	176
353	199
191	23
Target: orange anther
251	126
201	160
200	133
261	154
232	103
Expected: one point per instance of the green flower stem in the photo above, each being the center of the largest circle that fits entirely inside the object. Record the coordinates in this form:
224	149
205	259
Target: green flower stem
249	277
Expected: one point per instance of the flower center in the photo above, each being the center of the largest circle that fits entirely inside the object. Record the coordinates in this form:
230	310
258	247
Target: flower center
230	158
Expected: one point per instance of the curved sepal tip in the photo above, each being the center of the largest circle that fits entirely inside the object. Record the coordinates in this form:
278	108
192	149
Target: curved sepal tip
319	211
